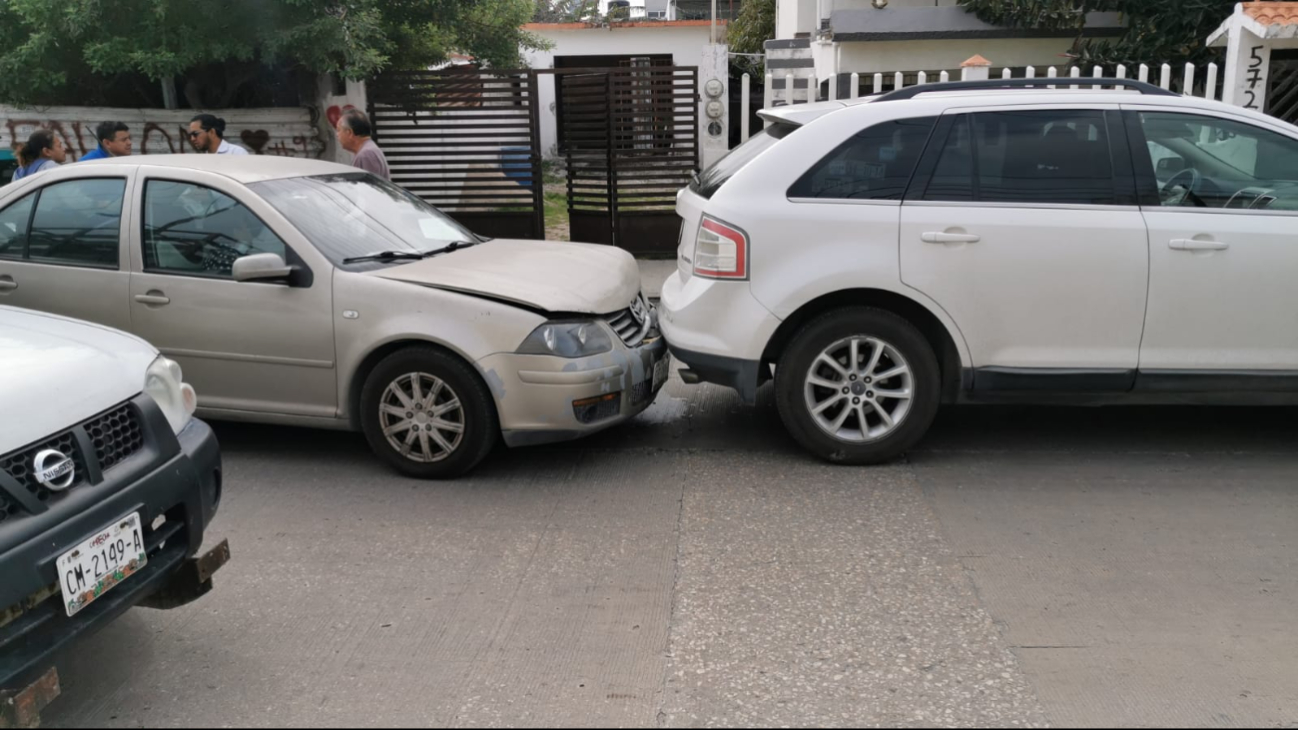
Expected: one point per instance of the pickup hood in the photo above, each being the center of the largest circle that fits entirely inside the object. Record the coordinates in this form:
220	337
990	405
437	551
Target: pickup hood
554	277
56	372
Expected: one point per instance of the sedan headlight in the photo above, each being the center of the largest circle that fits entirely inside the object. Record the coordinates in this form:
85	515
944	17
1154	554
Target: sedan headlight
165	383
567	339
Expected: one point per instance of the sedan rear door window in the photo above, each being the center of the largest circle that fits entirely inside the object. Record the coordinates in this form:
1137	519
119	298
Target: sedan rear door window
78	223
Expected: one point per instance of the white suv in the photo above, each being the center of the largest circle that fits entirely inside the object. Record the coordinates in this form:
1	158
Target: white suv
989	241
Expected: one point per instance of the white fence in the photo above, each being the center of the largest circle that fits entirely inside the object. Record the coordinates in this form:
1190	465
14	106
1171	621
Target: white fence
806	89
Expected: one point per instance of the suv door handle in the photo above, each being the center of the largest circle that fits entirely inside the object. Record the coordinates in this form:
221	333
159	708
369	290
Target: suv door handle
935	237
154	298
7	284
1192	244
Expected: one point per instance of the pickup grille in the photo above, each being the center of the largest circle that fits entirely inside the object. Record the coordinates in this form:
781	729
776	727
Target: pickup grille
633	323
115	436
20	464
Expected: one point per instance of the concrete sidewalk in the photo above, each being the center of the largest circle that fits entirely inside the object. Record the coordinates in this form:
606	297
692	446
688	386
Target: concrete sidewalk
652	275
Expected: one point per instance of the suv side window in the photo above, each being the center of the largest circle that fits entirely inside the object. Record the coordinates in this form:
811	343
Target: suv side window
78	223
1206	162
194	230
874	164
13	228
1039	156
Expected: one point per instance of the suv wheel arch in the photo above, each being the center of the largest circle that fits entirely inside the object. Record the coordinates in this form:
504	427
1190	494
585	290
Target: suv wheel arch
933	329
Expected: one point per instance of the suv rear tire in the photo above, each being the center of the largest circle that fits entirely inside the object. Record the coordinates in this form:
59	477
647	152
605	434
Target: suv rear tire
863	413
427	414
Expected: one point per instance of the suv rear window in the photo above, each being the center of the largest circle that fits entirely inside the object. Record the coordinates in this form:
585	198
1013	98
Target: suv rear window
874	164
714	177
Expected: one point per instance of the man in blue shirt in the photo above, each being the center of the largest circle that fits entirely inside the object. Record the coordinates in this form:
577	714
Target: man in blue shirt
114	141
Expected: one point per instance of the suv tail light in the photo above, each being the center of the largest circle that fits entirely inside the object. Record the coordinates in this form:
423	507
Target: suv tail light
720	251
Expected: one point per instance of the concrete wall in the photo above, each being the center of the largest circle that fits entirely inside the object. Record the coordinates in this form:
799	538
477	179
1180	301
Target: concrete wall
688	45
331	105
936	55
288	132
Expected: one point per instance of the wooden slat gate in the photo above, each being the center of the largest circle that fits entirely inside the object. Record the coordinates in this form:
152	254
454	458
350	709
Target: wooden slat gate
632	141
466	141
1282	96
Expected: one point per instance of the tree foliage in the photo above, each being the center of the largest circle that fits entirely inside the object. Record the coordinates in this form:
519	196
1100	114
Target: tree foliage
749	33
1158	30
565	11
56	51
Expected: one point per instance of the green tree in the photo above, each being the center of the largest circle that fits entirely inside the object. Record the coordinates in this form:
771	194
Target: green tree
54	51
565	11
1158	30
749	33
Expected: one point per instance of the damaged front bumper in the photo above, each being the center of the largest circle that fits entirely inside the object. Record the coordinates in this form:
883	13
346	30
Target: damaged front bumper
544	399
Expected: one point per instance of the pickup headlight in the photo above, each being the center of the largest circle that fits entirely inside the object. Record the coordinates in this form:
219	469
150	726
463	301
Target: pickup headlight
165	383
567	339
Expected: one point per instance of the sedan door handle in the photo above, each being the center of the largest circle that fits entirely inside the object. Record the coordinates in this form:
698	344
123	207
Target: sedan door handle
154	298
7	284
1192	244
934	237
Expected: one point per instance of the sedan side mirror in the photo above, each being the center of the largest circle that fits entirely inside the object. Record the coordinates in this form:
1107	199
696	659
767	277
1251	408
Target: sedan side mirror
261	267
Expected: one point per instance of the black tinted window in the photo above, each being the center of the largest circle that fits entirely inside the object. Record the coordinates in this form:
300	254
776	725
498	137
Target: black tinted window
78	222
13	228
953	177
875	164
195	230
1055	156
714	177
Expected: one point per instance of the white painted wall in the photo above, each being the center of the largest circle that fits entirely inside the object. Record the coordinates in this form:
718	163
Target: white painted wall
686	44
889	56
786	18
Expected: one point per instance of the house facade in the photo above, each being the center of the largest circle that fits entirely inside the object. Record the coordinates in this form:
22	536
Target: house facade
832	39
681	43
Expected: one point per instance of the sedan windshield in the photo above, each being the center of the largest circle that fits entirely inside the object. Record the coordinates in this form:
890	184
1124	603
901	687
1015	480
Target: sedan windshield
362	222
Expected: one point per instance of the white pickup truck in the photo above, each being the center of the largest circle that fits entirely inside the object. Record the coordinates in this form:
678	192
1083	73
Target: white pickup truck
107	484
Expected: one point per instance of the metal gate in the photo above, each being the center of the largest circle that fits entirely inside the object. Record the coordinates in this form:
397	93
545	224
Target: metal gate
467	142
632	141
1282	96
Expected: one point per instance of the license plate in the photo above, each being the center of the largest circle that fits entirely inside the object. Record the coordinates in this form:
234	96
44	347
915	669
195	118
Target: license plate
97	565
662	369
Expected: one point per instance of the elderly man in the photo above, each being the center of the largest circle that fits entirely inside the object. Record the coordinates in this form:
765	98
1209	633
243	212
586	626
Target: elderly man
354	132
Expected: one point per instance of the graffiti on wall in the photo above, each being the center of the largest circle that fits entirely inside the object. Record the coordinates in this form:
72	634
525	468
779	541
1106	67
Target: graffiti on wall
280	132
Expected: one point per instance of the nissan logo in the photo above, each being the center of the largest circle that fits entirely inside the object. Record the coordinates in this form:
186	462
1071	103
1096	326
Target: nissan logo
53	470
639	311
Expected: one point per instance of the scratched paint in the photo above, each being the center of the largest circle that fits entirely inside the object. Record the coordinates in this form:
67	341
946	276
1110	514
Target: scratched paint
285	132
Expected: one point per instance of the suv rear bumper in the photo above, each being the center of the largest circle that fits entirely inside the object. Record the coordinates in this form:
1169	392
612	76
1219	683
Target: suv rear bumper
185	489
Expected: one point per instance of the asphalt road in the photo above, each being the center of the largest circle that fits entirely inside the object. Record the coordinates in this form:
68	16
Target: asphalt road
1026	566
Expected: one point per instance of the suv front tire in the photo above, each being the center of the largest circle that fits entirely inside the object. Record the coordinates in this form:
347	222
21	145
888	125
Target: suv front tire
858	385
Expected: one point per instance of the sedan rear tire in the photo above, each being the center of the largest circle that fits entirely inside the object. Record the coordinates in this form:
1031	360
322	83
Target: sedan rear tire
427	414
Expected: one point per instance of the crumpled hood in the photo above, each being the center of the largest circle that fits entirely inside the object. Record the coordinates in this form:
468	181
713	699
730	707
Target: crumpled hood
554	277
56	372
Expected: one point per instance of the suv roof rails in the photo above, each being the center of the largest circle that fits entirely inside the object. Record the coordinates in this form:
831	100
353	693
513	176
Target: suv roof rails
1039	84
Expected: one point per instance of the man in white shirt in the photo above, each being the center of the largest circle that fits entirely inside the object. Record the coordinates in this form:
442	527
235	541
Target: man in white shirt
207	135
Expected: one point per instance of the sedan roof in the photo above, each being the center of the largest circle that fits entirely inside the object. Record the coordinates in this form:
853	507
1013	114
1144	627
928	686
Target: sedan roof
243	168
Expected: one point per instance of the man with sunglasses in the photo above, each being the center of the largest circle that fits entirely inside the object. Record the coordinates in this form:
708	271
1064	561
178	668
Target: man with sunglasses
207	135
